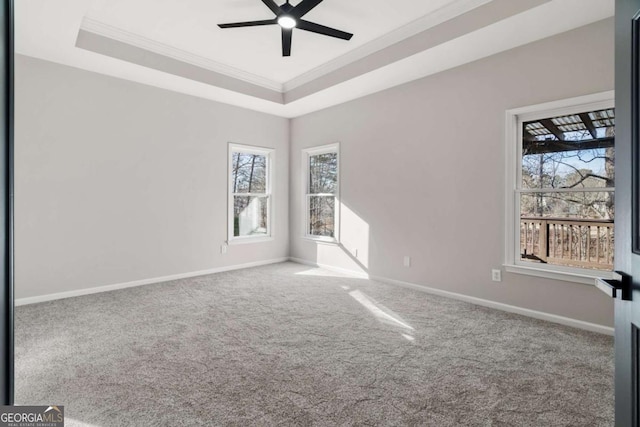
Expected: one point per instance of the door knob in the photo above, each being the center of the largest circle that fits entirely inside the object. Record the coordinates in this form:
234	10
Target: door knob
616	287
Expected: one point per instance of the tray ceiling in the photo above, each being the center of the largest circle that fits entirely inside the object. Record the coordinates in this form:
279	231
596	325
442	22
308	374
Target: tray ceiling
176	44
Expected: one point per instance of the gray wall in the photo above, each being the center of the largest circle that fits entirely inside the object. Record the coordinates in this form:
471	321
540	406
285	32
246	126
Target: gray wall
117	181
422	170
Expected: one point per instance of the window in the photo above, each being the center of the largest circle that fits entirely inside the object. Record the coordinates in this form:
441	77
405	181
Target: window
249	193
321	166
562	196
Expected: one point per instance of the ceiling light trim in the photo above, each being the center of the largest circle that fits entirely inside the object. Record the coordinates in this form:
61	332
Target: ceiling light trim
417	26
105	30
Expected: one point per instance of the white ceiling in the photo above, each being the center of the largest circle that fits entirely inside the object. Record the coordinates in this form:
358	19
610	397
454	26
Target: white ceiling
393	43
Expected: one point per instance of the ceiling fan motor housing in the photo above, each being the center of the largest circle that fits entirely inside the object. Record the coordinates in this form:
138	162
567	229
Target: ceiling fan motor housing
290	17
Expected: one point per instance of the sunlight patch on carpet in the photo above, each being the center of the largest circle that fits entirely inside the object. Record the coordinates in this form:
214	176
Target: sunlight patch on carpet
381	312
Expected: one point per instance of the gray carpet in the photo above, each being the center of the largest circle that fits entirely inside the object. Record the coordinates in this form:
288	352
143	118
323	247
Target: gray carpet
286	345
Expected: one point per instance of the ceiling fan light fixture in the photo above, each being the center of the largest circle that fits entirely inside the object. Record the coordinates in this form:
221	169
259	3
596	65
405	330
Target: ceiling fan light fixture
289	17
288	22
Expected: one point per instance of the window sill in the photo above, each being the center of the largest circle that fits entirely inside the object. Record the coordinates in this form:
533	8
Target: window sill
587	277
324	240
246	240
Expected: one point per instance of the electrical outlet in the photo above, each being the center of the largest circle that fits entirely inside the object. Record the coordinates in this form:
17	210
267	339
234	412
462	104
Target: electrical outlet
496	275
407	261
223	249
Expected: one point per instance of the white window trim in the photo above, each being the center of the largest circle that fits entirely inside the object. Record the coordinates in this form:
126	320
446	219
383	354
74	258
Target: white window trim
513	151
270	155
306	153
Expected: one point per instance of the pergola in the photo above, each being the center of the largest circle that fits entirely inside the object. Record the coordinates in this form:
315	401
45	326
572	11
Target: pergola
549	135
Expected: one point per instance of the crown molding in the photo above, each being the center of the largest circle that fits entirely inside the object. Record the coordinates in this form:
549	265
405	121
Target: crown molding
105	30
417	26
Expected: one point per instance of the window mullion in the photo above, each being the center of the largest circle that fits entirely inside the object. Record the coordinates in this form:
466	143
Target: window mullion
251	194
565	190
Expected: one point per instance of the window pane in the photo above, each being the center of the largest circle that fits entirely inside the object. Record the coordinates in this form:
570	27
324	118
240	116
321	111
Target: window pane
322	216
249	173
569	229
571	151
250	216
323	173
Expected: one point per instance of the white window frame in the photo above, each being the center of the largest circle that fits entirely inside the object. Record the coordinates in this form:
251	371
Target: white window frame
269	153
513	179
306	154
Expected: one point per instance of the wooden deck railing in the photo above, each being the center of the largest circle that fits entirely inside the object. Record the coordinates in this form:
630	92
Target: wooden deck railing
564	241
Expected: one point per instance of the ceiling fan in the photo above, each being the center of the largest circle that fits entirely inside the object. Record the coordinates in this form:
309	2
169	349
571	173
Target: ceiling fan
290	17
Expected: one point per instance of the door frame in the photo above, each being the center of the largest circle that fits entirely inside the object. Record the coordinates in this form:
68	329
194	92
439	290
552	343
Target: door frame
6	203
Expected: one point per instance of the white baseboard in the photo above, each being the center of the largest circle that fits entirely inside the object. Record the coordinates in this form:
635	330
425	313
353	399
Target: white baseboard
107	288
593	327
358	274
